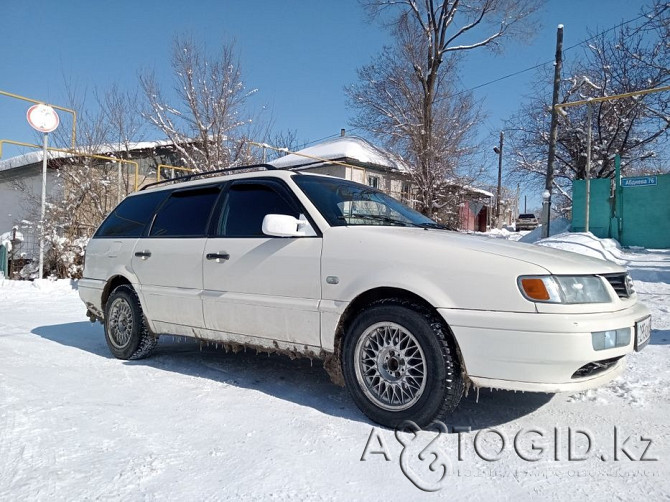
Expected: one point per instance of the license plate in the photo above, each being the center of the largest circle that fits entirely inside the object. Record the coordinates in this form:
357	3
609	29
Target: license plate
642	333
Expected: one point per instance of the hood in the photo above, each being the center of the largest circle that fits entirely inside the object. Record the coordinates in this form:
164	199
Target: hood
554	261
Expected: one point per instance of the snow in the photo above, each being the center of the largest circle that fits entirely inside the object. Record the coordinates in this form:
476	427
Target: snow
193	424
34	157
7	238
350	148
479	191
557	226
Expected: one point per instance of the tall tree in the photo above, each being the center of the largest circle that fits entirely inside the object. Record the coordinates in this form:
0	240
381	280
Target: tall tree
206	120
628	59
406	97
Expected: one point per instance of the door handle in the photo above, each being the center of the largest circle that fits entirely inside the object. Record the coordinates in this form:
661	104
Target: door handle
143	254
218	256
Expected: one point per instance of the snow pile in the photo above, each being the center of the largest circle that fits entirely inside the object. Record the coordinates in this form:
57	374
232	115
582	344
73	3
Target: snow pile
500	233
7	238
25	290
558	226
587	244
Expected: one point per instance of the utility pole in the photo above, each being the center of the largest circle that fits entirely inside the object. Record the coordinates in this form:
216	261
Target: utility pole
553	133
587	174
499	151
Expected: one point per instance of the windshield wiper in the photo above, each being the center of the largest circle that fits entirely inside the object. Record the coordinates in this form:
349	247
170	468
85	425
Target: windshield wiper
385	219
437	226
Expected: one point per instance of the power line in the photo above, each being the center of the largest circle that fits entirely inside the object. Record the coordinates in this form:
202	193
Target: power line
352	129
531	68
320	139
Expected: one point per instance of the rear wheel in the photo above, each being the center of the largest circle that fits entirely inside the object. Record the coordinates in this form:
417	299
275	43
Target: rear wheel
399	363
126	330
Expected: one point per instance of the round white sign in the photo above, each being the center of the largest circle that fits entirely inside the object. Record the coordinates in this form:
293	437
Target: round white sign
42	118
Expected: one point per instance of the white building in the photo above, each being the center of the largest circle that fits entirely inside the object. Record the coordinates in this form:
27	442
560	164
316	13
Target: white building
355	159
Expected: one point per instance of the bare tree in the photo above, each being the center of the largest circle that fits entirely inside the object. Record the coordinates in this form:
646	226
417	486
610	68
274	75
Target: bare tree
406	97
206	122
286	140
631	58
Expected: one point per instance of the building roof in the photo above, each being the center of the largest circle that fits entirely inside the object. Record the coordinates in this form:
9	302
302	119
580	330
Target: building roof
349	149
479	191
36	156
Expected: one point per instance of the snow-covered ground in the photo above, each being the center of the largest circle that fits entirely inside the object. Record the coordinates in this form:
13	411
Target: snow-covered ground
192	424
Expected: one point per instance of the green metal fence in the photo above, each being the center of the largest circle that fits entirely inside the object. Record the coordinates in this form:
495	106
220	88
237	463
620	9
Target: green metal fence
600	207
4	269
635	211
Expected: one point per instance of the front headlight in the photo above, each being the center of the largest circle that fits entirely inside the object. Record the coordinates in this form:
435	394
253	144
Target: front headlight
564	289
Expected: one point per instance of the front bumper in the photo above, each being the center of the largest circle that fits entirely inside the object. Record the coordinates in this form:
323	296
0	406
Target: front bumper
539	352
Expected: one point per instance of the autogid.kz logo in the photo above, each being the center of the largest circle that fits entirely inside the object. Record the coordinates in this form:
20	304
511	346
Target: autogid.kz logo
429	456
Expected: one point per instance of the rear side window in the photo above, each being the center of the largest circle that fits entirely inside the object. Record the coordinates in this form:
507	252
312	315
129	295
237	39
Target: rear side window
185	214
246	206
131	216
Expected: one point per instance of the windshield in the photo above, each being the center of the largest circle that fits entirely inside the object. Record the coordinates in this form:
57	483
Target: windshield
343	202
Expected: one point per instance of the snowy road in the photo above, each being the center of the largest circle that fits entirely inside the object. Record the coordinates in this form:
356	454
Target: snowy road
188	424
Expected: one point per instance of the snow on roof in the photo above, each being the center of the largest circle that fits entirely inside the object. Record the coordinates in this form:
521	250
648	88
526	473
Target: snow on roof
36	156
480	191
348	148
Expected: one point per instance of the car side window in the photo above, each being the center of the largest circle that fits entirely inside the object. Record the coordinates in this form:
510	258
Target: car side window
246	204
131	216
186	213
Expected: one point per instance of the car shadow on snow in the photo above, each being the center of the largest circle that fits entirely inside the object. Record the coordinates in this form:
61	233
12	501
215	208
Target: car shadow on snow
660	337
81	335
300	381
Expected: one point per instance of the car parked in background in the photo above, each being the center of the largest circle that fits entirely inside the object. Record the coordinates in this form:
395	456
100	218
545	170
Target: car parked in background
403	312
526	221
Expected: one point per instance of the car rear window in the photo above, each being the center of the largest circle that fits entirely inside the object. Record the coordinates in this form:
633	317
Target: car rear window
186	213
131	216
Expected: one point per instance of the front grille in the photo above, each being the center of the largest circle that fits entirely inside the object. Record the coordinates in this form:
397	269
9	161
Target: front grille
595	367
622	284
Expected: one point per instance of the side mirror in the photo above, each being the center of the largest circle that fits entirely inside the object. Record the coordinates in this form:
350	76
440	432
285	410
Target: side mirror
283	225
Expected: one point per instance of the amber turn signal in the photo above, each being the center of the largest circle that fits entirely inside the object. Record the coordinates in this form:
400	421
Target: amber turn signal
535	289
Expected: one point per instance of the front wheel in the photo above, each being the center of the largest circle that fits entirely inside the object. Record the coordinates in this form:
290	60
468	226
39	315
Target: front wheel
399	363
126	330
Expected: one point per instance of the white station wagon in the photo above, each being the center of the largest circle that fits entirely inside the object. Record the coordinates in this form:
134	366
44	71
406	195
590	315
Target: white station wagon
403	312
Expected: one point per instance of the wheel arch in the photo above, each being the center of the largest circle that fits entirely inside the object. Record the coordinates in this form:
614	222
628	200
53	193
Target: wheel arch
333	363
113	282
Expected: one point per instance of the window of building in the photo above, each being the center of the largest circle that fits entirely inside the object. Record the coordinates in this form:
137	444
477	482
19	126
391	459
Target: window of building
405	193
131	216
245	207
373	181
185	213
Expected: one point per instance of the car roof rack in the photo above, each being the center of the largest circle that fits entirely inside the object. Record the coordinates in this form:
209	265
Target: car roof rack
189	177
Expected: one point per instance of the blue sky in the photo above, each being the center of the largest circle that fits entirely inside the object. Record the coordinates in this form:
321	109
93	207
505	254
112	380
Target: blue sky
299	54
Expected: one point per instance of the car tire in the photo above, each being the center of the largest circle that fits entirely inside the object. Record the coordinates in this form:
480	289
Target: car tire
126	329
400	363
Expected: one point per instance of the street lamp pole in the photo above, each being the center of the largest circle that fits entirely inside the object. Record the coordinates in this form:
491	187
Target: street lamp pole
499	151
546	208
